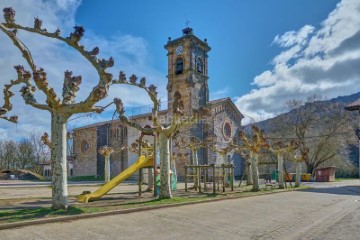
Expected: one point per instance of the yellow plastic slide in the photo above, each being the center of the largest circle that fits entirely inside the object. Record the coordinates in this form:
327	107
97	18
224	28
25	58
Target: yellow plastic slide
140	163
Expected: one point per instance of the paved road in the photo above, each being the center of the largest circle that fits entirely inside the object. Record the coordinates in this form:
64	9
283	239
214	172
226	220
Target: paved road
331	211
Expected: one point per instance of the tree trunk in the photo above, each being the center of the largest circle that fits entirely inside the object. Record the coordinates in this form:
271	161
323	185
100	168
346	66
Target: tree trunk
255	171
226	177
311	169
150	179
249	179
281	170
165	186
58	157
107	168
298	174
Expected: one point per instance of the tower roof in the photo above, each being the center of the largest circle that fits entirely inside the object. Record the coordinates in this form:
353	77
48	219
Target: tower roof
188	34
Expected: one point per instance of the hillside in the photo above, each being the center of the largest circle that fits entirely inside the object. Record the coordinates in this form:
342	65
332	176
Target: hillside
317	119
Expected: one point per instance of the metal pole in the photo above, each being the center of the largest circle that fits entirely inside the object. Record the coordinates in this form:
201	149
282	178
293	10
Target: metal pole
199	179
140	180
214	181
232	177
140	170
205	172
223	176
186	170
154	166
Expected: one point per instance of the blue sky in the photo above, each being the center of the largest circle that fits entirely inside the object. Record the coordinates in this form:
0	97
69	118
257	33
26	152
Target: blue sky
263	52
239	32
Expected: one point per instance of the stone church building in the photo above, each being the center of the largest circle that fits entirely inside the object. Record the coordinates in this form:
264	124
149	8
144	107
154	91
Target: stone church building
188	74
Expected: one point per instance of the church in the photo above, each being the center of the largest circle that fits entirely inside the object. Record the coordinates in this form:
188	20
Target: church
187	74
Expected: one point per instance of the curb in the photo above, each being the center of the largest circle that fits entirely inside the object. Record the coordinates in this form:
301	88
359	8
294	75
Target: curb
120	211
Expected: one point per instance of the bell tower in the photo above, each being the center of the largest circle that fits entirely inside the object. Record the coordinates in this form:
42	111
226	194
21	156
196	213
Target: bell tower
188	70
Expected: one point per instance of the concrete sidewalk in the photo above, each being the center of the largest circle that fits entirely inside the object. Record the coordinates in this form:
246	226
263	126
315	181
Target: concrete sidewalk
289	215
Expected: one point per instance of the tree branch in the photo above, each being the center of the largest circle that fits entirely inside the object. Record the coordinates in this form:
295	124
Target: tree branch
38	75
120	109
100	90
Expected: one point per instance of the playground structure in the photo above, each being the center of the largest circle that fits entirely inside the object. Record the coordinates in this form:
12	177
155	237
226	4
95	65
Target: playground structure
143	161
201	176
205	178
147	159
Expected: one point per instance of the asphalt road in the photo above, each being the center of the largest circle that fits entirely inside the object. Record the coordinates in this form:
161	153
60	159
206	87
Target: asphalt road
331	211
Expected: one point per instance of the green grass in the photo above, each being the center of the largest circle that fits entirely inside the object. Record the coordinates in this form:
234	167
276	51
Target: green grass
30	214
86	178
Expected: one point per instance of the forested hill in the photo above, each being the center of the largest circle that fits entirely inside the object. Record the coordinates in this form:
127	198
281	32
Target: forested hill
323	127
341	100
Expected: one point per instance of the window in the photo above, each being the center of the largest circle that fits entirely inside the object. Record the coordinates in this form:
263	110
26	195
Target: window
179	66
85	146
227	131
199	65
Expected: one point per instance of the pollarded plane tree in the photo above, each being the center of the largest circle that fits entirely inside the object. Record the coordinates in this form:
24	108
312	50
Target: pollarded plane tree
244	153
224	153
60	109
106	151
254	145
144	148
298	158
280	149
194	145
163	131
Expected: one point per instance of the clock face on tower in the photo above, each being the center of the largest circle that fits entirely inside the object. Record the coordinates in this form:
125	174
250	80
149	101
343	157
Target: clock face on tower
179	50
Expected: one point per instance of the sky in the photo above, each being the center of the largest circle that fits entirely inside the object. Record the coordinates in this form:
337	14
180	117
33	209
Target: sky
263	52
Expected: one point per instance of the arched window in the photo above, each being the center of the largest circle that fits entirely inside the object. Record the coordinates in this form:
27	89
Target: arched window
179	66
121	135
199	65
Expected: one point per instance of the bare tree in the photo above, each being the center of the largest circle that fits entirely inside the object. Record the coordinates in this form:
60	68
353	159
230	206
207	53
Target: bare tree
281	148
223	152
163	131
317	126
194	145
60	110
254	145
8	155
25	158
106	152
41	151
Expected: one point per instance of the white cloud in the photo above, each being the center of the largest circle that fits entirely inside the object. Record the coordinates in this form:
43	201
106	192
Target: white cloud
129	52
323	61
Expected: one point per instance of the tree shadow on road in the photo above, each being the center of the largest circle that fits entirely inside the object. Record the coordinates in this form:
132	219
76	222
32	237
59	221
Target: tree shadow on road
342	190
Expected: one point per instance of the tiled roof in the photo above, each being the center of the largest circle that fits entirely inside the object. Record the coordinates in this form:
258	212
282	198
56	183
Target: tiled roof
355	105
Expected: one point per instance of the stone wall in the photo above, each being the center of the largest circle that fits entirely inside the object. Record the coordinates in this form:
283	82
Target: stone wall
224	113
85	157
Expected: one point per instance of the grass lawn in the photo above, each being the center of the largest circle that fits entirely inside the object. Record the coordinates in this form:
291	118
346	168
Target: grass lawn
86	178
